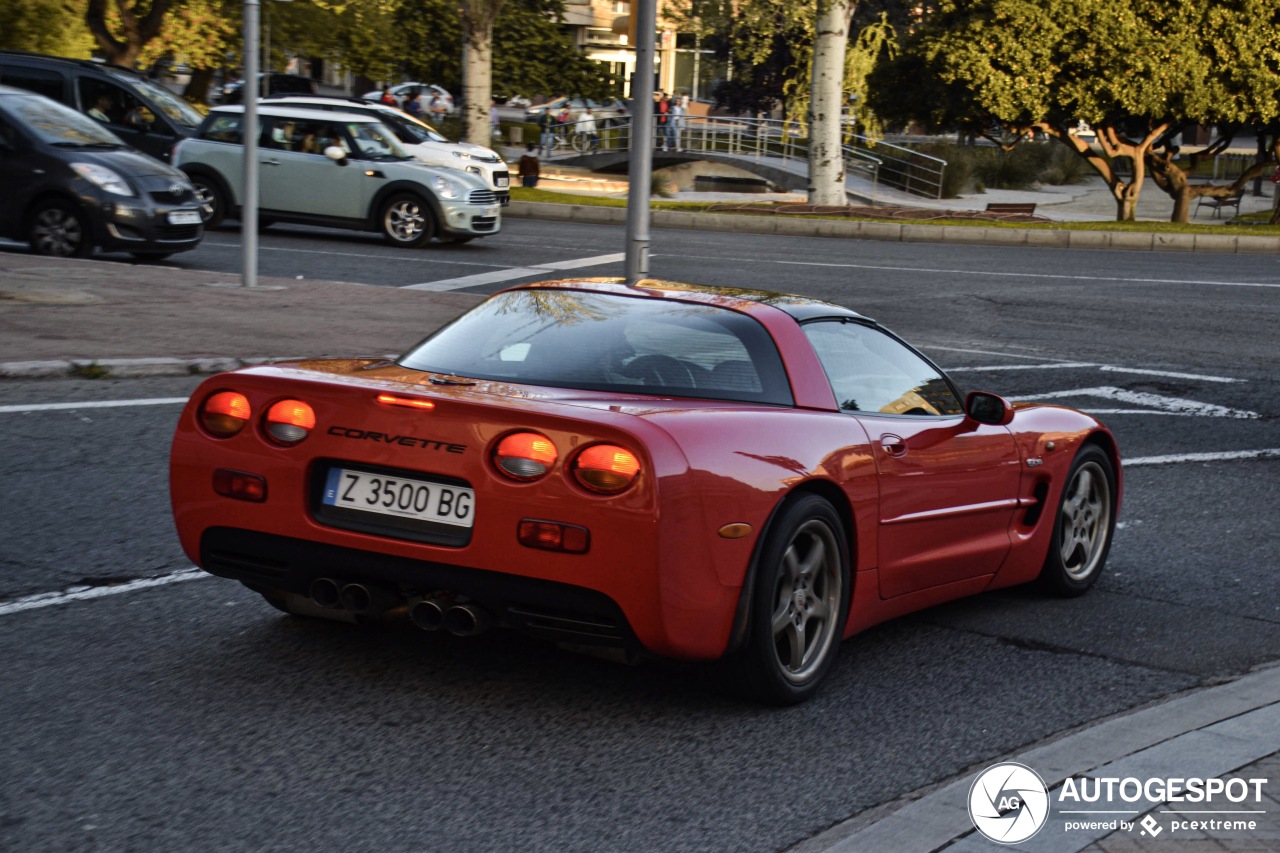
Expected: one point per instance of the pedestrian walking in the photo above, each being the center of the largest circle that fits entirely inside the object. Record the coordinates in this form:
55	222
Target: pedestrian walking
586	125
661	115
547	132
675	121
528	170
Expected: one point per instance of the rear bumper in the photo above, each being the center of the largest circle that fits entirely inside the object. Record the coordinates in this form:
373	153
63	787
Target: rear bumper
554	611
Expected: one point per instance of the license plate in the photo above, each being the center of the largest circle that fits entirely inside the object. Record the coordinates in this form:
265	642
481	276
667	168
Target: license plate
184	217
492	210
503	182
402	497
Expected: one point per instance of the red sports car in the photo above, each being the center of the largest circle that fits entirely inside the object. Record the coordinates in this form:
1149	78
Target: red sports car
701	473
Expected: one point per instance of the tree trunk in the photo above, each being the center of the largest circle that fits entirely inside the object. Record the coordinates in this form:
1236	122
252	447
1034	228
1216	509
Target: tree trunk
826	156
477	68
135	32
197	90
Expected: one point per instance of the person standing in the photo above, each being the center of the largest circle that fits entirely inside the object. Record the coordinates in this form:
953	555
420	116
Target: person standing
661	116
413	104
494	128
675	121
388	98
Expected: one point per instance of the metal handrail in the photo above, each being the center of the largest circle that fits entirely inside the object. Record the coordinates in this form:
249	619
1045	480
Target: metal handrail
894	165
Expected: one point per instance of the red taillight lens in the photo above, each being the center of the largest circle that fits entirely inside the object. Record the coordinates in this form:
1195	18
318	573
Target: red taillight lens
240	485
224	414
553	536
290	421
525	455
606	468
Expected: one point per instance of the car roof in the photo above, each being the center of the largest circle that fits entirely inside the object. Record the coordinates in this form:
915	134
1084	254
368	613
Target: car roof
80	63
735	298
284	110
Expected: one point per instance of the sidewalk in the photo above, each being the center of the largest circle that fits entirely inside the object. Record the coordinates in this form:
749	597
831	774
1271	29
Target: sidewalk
104	318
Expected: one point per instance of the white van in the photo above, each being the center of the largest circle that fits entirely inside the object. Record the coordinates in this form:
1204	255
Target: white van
419	139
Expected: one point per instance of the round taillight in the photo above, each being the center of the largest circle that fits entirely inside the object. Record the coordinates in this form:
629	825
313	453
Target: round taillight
225	413
606	468
525	455
290	421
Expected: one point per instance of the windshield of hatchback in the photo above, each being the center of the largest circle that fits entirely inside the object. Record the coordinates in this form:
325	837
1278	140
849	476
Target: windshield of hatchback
609	342
55	124
178	110
416	131
376	141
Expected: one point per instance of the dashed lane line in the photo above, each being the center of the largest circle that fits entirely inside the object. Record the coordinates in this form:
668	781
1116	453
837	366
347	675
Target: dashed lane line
515	272
84	593
94	404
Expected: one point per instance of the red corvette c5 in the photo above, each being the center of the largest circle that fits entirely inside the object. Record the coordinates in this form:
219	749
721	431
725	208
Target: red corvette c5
700	473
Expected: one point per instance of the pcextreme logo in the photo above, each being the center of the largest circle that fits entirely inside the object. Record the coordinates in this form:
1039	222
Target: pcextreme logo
1008	803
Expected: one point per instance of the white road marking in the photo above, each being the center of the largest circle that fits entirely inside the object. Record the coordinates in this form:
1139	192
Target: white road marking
1155	401
83	593
95	404
515	272
1091	279
1223	456
1107	368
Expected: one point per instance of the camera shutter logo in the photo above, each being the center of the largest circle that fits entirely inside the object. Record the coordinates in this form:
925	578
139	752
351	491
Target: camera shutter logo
1008	803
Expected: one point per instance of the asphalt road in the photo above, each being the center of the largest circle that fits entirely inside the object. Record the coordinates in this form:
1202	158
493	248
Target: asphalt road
192	716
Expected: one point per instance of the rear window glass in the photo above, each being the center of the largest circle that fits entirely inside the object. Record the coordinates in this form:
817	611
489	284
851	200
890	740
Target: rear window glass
607	342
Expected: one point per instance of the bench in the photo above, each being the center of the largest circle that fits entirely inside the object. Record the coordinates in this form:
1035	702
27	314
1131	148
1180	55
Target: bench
1027	209
1218	203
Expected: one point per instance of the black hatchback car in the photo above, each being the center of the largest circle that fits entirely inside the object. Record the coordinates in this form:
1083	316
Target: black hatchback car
69	185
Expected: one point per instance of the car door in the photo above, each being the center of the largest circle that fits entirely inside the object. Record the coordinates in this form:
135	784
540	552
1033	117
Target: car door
295	176
948	485
127	116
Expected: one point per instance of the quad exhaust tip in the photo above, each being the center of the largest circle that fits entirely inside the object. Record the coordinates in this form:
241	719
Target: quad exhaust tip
428	614
467	620
326	592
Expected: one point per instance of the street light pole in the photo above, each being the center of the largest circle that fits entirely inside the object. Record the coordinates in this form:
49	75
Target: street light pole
249	133
641	161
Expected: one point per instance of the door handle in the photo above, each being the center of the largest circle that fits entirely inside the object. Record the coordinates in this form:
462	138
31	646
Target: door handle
893	444
269	162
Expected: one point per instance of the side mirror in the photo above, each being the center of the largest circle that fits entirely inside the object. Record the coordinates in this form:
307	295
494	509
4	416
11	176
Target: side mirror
987	408
336	154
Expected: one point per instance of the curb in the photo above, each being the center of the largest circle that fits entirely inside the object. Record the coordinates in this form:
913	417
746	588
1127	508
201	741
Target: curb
1220	729
124	368
1040	238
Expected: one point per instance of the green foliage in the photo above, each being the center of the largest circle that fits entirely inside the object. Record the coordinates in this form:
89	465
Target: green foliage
45	26
975	168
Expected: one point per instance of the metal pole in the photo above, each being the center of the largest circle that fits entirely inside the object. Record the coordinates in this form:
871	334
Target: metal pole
249	131
641	162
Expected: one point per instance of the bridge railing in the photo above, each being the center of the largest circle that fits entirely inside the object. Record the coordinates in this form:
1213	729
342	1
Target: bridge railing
874	161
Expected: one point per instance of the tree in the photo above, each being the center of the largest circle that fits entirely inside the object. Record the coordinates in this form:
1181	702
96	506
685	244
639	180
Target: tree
478	17
138	22
1133	70
44	26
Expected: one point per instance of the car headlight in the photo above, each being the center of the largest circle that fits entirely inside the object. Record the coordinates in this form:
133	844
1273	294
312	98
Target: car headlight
462	155
446	188
103	178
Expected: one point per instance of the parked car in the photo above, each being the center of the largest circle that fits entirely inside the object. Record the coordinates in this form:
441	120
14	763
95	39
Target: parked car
144	114
605	111
420	139
712	474
292	84
426	90
340	170
70	186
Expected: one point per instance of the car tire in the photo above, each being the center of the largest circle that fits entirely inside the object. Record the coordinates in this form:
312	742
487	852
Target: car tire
799	604
1083	526
406	220
60	229
213	202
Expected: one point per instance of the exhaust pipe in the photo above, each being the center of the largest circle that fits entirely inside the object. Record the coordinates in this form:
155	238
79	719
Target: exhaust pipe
428	614
366	600
326	593
467	620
